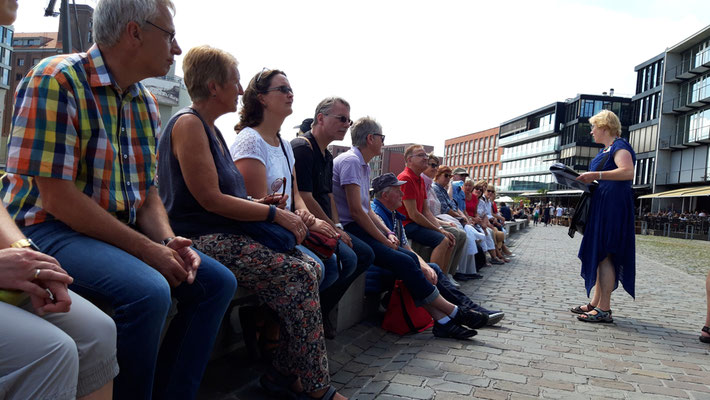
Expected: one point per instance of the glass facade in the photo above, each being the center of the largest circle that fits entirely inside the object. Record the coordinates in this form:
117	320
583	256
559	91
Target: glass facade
529	183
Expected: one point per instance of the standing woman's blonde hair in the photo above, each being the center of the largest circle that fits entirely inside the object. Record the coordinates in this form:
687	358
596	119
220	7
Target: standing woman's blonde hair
606	119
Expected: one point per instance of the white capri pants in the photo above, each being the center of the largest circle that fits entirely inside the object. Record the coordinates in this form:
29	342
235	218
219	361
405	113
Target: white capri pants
57	356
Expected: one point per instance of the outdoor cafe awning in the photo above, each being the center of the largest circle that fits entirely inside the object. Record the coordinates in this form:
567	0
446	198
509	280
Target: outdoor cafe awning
528	194
564	192
692	191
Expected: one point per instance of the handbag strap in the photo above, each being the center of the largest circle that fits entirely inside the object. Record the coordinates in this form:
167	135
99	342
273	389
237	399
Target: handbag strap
288	163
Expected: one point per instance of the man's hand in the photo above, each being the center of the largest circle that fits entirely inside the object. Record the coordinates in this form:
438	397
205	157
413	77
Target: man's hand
345	237
450	237
191	259
18	268
61	302
276	199
165	260
429	273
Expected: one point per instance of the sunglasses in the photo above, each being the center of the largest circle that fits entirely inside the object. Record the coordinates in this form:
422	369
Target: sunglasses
283	89
447	175
434	165
279	183
380	135
490	191
343	119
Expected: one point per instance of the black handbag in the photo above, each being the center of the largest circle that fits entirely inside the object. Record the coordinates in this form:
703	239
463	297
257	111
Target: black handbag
581	215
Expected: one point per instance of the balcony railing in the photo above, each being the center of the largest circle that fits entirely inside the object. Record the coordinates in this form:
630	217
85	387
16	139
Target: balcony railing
686	69
527	135
697	98
683	176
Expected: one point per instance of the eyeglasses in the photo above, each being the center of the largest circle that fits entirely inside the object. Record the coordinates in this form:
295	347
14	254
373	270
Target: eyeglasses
421	155
279	183
283	89
479	189
380	135
171	35
343	119
434	165
490	191
447	175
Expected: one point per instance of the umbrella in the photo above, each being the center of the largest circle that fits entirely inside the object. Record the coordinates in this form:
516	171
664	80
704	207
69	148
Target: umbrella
504	199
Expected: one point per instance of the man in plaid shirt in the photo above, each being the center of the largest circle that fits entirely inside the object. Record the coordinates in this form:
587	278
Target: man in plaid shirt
81	183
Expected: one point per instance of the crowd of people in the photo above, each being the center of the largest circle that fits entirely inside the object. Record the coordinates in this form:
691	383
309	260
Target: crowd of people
103	206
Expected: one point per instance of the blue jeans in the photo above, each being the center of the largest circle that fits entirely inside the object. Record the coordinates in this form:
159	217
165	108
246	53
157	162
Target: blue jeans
141	298
422	235
403	263
329	264
354	262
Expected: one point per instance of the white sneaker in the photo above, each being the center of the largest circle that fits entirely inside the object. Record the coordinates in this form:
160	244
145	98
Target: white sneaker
453	281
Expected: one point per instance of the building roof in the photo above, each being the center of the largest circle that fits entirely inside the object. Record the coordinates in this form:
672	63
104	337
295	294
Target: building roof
48	40
690	41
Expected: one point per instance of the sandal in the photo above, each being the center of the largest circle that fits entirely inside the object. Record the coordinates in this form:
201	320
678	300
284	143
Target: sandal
600	316
328	395
705	339
578	309
278	385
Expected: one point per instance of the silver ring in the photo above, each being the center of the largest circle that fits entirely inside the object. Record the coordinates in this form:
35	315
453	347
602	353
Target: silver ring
37	271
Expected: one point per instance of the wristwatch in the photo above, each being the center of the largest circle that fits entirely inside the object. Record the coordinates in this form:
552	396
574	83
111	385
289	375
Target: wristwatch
339	226
24	243
166	240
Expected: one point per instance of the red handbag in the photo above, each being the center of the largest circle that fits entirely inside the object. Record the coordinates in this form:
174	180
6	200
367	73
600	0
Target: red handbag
402	315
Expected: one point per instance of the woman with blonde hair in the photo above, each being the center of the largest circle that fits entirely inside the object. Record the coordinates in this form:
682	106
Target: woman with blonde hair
607	251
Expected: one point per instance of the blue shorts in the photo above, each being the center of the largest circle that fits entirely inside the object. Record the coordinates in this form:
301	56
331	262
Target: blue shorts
422	235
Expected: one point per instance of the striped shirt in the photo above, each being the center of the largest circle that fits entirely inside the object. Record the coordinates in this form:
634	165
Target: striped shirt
73	122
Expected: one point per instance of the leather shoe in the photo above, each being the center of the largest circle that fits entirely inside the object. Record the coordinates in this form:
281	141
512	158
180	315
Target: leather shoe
452	330
494	317
471	319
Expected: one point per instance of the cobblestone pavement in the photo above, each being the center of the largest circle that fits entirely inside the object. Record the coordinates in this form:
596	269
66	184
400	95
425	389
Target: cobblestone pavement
651	351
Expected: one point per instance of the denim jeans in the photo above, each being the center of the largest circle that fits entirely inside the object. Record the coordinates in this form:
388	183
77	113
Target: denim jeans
354	262
403	263
141	298
324	266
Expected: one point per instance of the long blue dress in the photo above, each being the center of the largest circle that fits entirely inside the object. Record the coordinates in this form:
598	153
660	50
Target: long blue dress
610	230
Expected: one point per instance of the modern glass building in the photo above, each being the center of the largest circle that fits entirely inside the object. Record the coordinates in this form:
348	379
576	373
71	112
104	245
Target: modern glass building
557	132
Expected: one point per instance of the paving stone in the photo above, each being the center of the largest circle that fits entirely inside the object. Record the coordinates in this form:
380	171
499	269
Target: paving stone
452	387
343	377
406	379
663	391
654	374
546	383
374	387
435	357
611	384
481	393
506	376
563	377
597	373
528	389
409	392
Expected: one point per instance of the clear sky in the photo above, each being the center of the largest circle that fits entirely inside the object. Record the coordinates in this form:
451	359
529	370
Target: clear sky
426	70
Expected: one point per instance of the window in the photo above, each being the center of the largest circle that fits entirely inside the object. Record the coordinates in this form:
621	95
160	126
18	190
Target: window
35	61
20	62
18	77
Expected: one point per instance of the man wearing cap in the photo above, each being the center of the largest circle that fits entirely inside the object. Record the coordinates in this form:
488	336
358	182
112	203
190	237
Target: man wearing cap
421	225
385	205
314	169
351	184
456	187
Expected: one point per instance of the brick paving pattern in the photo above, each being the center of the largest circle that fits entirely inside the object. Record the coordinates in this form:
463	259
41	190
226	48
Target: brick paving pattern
540	350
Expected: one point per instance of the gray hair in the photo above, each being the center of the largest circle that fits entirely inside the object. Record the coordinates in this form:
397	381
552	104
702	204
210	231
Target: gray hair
112	16
363	127
326	105
379	194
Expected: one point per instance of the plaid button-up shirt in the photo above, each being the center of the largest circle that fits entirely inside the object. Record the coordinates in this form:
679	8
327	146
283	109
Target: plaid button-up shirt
72	122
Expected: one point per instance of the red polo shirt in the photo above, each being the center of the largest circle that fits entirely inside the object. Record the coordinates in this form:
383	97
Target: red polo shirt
413	189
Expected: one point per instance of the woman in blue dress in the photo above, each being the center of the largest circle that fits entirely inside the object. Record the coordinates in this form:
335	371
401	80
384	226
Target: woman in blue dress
608	251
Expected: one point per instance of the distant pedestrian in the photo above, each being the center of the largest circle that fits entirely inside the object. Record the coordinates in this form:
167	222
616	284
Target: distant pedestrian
608	252
705	333
536	215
